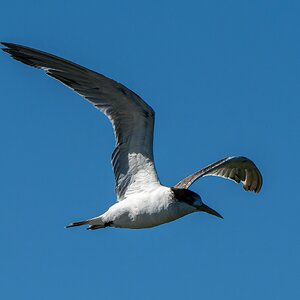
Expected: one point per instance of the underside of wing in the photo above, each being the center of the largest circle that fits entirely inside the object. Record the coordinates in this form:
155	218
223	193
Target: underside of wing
131	117
238	169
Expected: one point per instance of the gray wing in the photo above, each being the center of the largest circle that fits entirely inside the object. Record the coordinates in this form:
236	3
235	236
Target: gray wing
238	169
132	119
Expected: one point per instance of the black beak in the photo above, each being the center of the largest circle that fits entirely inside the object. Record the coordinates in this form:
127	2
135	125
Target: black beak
209	210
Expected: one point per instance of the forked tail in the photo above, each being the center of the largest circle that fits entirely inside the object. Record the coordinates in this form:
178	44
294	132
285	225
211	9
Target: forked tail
95	223
77	224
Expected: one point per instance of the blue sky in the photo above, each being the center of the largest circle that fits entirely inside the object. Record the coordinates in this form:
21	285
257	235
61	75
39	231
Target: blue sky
223	77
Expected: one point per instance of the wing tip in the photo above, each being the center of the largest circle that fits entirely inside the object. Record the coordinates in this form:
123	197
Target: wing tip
9	46
256	188
5	44
18	53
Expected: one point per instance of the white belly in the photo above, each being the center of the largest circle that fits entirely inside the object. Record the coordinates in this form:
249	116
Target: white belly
147	210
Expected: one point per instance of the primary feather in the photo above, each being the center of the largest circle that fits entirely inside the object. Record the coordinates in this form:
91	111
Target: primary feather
132	119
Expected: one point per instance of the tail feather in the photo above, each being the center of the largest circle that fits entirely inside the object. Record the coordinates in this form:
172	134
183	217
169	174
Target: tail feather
77	224
94	223
94	227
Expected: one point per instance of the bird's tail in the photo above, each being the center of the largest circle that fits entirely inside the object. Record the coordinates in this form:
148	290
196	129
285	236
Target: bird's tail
77	224
95	223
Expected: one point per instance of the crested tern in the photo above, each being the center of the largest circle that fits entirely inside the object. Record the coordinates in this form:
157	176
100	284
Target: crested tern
142	201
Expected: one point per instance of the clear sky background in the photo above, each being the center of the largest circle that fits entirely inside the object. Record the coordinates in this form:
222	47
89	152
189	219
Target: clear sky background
223	78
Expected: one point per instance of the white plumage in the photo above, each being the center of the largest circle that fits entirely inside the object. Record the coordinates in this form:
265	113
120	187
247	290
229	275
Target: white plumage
142	201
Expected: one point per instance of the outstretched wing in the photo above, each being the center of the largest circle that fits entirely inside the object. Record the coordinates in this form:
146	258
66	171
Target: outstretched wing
238	169
132	119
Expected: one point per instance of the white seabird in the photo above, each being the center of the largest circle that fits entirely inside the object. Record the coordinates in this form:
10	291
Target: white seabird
142	201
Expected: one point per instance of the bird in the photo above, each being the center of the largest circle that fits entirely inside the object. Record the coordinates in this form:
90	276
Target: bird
141	200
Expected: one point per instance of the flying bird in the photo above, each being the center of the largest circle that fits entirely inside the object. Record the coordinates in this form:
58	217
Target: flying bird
142	201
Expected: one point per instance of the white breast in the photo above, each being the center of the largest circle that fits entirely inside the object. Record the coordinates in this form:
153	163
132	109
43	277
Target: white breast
149	209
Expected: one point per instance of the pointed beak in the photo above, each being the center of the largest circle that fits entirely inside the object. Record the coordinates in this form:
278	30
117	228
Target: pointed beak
209	210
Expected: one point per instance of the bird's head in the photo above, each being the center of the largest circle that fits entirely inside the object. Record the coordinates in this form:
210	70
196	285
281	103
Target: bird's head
193	199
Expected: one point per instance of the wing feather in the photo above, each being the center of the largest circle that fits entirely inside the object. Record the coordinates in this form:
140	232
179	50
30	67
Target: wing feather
132	119
238	169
